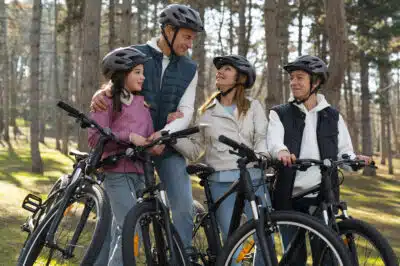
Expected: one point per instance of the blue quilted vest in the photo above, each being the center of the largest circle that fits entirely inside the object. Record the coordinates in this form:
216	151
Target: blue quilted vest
164	95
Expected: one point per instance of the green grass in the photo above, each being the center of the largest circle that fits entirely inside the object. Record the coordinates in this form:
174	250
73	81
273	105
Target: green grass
373	199
16	181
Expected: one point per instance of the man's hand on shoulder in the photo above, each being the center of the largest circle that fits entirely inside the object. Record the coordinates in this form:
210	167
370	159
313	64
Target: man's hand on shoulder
98	102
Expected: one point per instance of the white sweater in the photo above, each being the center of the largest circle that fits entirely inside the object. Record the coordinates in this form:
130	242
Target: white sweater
309	145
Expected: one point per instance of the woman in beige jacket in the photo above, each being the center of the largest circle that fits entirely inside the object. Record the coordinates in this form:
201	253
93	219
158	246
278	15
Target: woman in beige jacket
231	113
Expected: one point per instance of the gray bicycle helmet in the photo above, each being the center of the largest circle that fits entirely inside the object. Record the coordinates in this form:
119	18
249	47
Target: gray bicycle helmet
122	59
181	16
313	65
241	64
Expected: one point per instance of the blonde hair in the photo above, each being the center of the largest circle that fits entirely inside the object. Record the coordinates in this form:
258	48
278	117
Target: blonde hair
242	103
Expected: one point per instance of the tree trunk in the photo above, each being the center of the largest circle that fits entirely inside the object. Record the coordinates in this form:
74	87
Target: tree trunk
111	25
43	104
125	33
55	80
249	27
283	22
4	74
350	106
13	93
220	50
300	32
366	132
199	56
138	21
384	70
242	28
337	36
153	30
37	165
231	33
383	83
67	74
274	94
394	128
90	56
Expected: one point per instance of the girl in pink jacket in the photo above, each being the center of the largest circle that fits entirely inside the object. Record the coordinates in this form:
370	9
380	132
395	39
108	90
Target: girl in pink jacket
129	119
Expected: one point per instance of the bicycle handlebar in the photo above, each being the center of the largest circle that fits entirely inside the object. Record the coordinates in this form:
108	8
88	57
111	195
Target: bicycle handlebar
304	164
246	152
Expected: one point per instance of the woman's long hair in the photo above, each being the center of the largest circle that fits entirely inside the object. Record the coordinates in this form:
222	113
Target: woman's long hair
242	103
117	85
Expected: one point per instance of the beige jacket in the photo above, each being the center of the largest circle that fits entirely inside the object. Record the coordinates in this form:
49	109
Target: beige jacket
250	130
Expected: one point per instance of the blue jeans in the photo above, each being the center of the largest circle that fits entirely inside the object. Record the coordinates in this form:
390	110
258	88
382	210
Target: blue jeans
224	212
172	172
121	189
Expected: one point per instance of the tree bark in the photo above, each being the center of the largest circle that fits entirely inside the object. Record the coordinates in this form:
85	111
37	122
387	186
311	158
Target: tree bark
274	94
37	164
231	32
337	37
366	132
56	81
90	56
354	131
300	32
125	33
249	27
111	25
67	74
4	75
283	22
199	56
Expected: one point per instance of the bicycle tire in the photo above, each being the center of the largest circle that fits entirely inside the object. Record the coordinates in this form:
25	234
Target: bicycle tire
36	242
148	211
280	218
352	226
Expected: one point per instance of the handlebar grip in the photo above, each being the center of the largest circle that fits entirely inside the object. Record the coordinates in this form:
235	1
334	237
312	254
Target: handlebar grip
185	132
68	108
229	142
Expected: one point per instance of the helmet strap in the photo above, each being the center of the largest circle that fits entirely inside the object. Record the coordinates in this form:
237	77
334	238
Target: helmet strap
170	44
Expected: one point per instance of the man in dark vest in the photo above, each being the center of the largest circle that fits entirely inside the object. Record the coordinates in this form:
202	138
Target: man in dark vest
170	86
306	127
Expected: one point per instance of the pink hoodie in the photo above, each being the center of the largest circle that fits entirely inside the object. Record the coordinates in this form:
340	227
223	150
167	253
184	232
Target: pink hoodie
134	117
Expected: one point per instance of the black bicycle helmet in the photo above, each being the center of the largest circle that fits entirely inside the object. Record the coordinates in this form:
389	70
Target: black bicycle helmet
181	16
122	59
313	65
241	64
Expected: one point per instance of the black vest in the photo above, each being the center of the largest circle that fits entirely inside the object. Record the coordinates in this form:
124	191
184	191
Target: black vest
292	119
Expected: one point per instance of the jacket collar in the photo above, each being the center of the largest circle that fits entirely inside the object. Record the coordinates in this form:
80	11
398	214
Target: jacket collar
217	109
321	104
127	100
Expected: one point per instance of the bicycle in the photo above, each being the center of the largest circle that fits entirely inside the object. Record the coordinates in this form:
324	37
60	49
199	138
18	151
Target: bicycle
147	226
363	241
261	232
76	204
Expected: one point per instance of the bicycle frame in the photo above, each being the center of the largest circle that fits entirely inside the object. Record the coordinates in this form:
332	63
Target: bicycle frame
245	192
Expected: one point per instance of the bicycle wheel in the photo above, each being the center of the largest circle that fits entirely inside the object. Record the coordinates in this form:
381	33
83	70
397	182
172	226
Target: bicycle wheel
79	235
366	245
144	240
296	241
